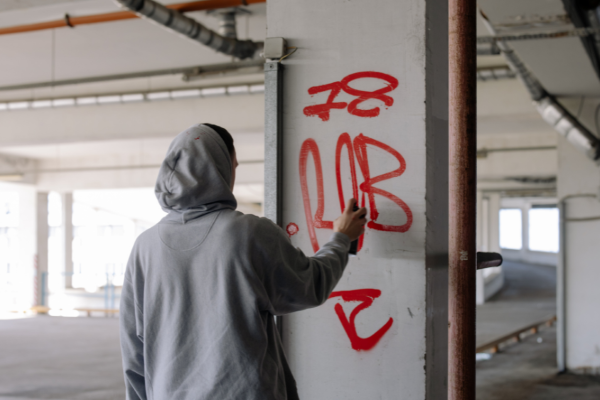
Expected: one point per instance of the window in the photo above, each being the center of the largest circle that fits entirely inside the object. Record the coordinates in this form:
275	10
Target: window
543	229
511	229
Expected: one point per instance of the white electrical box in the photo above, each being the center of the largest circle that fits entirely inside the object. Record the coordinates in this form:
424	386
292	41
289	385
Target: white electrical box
275	47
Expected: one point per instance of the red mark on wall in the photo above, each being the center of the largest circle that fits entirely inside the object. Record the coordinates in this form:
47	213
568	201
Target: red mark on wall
323	110
291	229
310	146
365	297
357	149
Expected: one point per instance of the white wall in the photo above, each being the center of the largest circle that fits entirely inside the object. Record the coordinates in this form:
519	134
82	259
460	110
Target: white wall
578	175
402	267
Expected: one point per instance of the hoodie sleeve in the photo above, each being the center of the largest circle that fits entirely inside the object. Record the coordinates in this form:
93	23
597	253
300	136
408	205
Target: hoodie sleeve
291	280
132	339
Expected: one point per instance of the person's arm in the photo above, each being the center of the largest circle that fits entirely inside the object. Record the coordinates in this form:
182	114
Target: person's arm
291	280
132	344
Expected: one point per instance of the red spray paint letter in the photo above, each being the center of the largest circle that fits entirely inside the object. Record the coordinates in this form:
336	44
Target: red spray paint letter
366	297
360	148
323	110
310	146
344	139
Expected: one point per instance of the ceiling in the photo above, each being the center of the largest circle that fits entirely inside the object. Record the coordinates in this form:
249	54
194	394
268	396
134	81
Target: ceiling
104	48
9	5
561	65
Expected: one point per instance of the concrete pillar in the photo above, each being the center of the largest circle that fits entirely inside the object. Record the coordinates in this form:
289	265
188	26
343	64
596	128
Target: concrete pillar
578	183
525	229
485	227
480	218
494	222
480	283
67	232
41	283
365	115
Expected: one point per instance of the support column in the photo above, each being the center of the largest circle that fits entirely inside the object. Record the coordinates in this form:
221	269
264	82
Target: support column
525	230
485	227
41	277
494	223
67	231
481	225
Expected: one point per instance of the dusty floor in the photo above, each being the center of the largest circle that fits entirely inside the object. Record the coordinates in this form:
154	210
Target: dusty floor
79	358
528	296
60	358
526	370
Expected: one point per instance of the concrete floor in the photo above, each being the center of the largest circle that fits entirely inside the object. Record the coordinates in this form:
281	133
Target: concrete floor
60	358
528	296
526	370
79	358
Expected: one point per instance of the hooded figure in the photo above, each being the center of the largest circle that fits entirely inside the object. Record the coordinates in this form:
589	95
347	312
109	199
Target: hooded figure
202	286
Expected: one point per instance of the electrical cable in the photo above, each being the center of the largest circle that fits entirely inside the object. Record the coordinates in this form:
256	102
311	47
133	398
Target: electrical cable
289	54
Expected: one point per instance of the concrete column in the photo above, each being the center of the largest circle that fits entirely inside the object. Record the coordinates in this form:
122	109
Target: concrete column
480	218
403	262
41	289
480	283
525	229
494	222
485	227
578	295
67	231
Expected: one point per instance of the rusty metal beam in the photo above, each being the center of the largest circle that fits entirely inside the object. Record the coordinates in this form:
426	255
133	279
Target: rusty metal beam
123	15
462	185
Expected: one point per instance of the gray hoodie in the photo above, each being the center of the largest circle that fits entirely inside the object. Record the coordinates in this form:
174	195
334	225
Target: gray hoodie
202	287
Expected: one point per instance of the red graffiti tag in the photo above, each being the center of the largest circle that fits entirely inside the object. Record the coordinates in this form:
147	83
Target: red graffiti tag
356	149
323	110
366	297
292	229
310	146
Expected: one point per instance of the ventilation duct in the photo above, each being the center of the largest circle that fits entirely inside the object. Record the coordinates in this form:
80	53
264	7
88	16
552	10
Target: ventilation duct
191	28
551	111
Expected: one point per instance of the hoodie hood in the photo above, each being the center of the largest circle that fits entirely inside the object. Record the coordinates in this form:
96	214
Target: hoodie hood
195	177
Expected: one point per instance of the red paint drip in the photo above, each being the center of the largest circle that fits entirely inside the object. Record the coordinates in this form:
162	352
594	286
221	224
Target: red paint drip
292	229
323	110
365	297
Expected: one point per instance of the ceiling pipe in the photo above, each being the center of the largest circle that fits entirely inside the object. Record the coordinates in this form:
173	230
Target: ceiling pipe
565	123
188	73
70	21
191	28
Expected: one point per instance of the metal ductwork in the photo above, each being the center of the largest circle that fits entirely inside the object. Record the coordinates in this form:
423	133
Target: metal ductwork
191	28
551	111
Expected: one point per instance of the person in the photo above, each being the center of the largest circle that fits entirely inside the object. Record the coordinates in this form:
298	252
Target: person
202	286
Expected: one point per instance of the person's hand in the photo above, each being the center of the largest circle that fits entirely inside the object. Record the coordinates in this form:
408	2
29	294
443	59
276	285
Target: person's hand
351	223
